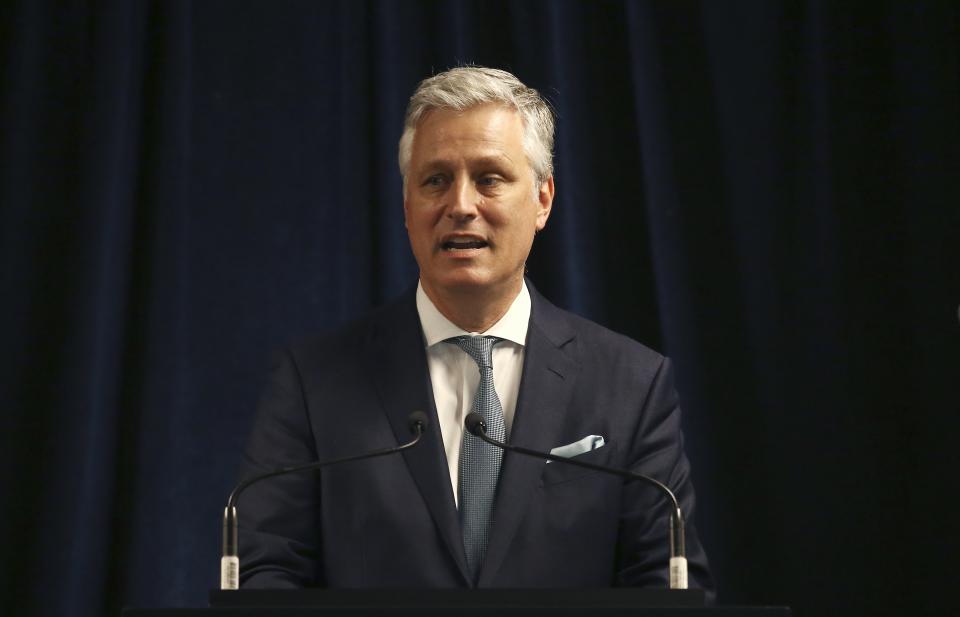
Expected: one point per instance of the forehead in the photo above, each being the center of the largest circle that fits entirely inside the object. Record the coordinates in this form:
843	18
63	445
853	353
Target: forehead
488	130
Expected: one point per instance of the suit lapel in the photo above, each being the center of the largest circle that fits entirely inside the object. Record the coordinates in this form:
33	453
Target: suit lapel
400	372
549	373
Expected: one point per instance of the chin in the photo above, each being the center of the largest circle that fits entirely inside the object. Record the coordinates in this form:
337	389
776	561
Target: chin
465	282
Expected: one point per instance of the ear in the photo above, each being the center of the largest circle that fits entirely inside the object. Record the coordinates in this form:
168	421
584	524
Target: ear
544	202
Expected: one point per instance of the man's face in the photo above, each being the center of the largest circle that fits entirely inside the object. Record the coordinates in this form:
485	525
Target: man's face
469	204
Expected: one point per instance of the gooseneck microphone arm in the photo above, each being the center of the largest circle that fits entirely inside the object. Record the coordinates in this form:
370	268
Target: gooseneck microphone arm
230	562
678	560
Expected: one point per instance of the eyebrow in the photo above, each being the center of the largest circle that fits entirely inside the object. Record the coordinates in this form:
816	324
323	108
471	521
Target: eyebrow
490	160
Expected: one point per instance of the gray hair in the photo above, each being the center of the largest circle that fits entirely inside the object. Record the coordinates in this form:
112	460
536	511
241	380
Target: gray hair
467	86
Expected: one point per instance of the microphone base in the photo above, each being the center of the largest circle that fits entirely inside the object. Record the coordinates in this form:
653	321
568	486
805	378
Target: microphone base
678	573
229	573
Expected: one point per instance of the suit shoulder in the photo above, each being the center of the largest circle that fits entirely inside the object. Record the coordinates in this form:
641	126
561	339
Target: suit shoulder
597	345
605	340
344	341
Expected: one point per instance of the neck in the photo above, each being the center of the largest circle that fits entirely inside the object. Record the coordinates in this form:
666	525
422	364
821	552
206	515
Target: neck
473	309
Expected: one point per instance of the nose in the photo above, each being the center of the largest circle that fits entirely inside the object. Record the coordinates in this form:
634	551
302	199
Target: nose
464	199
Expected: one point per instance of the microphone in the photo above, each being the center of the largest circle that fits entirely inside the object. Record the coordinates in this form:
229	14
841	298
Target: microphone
678	560
230	561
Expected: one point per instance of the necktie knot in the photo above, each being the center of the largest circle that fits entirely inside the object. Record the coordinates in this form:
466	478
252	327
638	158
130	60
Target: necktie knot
480	348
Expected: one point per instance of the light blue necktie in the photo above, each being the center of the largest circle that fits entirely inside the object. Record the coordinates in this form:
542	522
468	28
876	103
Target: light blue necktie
479	461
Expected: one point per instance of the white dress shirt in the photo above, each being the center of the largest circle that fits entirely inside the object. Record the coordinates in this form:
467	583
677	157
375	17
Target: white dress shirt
455	376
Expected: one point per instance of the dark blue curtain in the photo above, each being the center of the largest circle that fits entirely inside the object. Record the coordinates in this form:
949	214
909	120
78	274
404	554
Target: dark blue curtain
766	191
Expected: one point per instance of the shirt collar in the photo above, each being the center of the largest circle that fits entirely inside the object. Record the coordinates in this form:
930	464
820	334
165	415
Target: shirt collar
511	327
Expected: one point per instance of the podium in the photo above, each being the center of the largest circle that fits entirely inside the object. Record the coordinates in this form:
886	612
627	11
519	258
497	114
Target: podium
460	603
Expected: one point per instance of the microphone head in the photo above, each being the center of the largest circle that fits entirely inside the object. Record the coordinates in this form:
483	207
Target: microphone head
475	424
418	422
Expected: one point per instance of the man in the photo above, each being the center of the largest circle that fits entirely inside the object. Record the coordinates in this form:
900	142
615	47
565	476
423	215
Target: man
475	336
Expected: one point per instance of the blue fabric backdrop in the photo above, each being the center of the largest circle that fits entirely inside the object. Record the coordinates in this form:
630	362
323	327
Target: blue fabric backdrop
766	191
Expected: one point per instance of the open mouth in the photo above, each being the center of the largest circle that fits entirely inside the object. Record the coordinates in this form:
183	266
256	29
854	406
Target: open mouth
463	244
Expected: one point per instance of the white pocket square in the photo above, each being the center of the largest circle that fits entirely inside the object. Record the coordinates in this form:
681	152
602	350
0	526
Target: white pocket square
588	443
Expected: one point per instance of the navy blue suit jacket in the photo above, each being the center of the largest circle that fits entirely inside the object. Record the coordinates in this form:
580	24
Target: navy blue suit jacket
392	521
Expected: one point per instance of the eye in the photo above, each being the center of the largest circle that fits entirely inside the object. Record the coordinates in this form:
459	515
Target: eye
434	181
490	181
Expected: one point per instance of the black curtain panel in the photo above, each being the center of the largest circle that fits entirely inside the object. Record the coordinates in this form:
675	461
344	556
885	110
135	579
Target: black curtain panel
765	191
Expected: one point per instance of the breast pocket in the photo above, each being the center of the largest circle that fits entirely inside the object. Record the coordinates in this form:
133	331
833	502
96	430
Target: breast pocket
557	472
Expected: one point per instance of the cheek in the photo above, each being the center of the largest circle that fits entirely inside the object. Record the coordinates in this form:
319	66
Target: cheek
420	228
526	221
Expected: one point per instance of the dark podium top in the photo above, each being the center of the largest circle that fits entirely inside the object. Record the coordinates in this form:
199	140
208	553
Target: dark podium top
460	603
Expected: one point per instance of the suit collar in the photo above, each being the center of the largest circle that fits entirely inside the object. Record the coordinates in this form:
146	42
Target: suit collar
549	374
399	369
554	324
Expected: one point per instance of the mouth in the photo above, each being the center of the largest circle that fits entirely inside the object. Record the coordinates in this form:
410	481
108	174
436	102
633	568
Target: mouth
463	244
